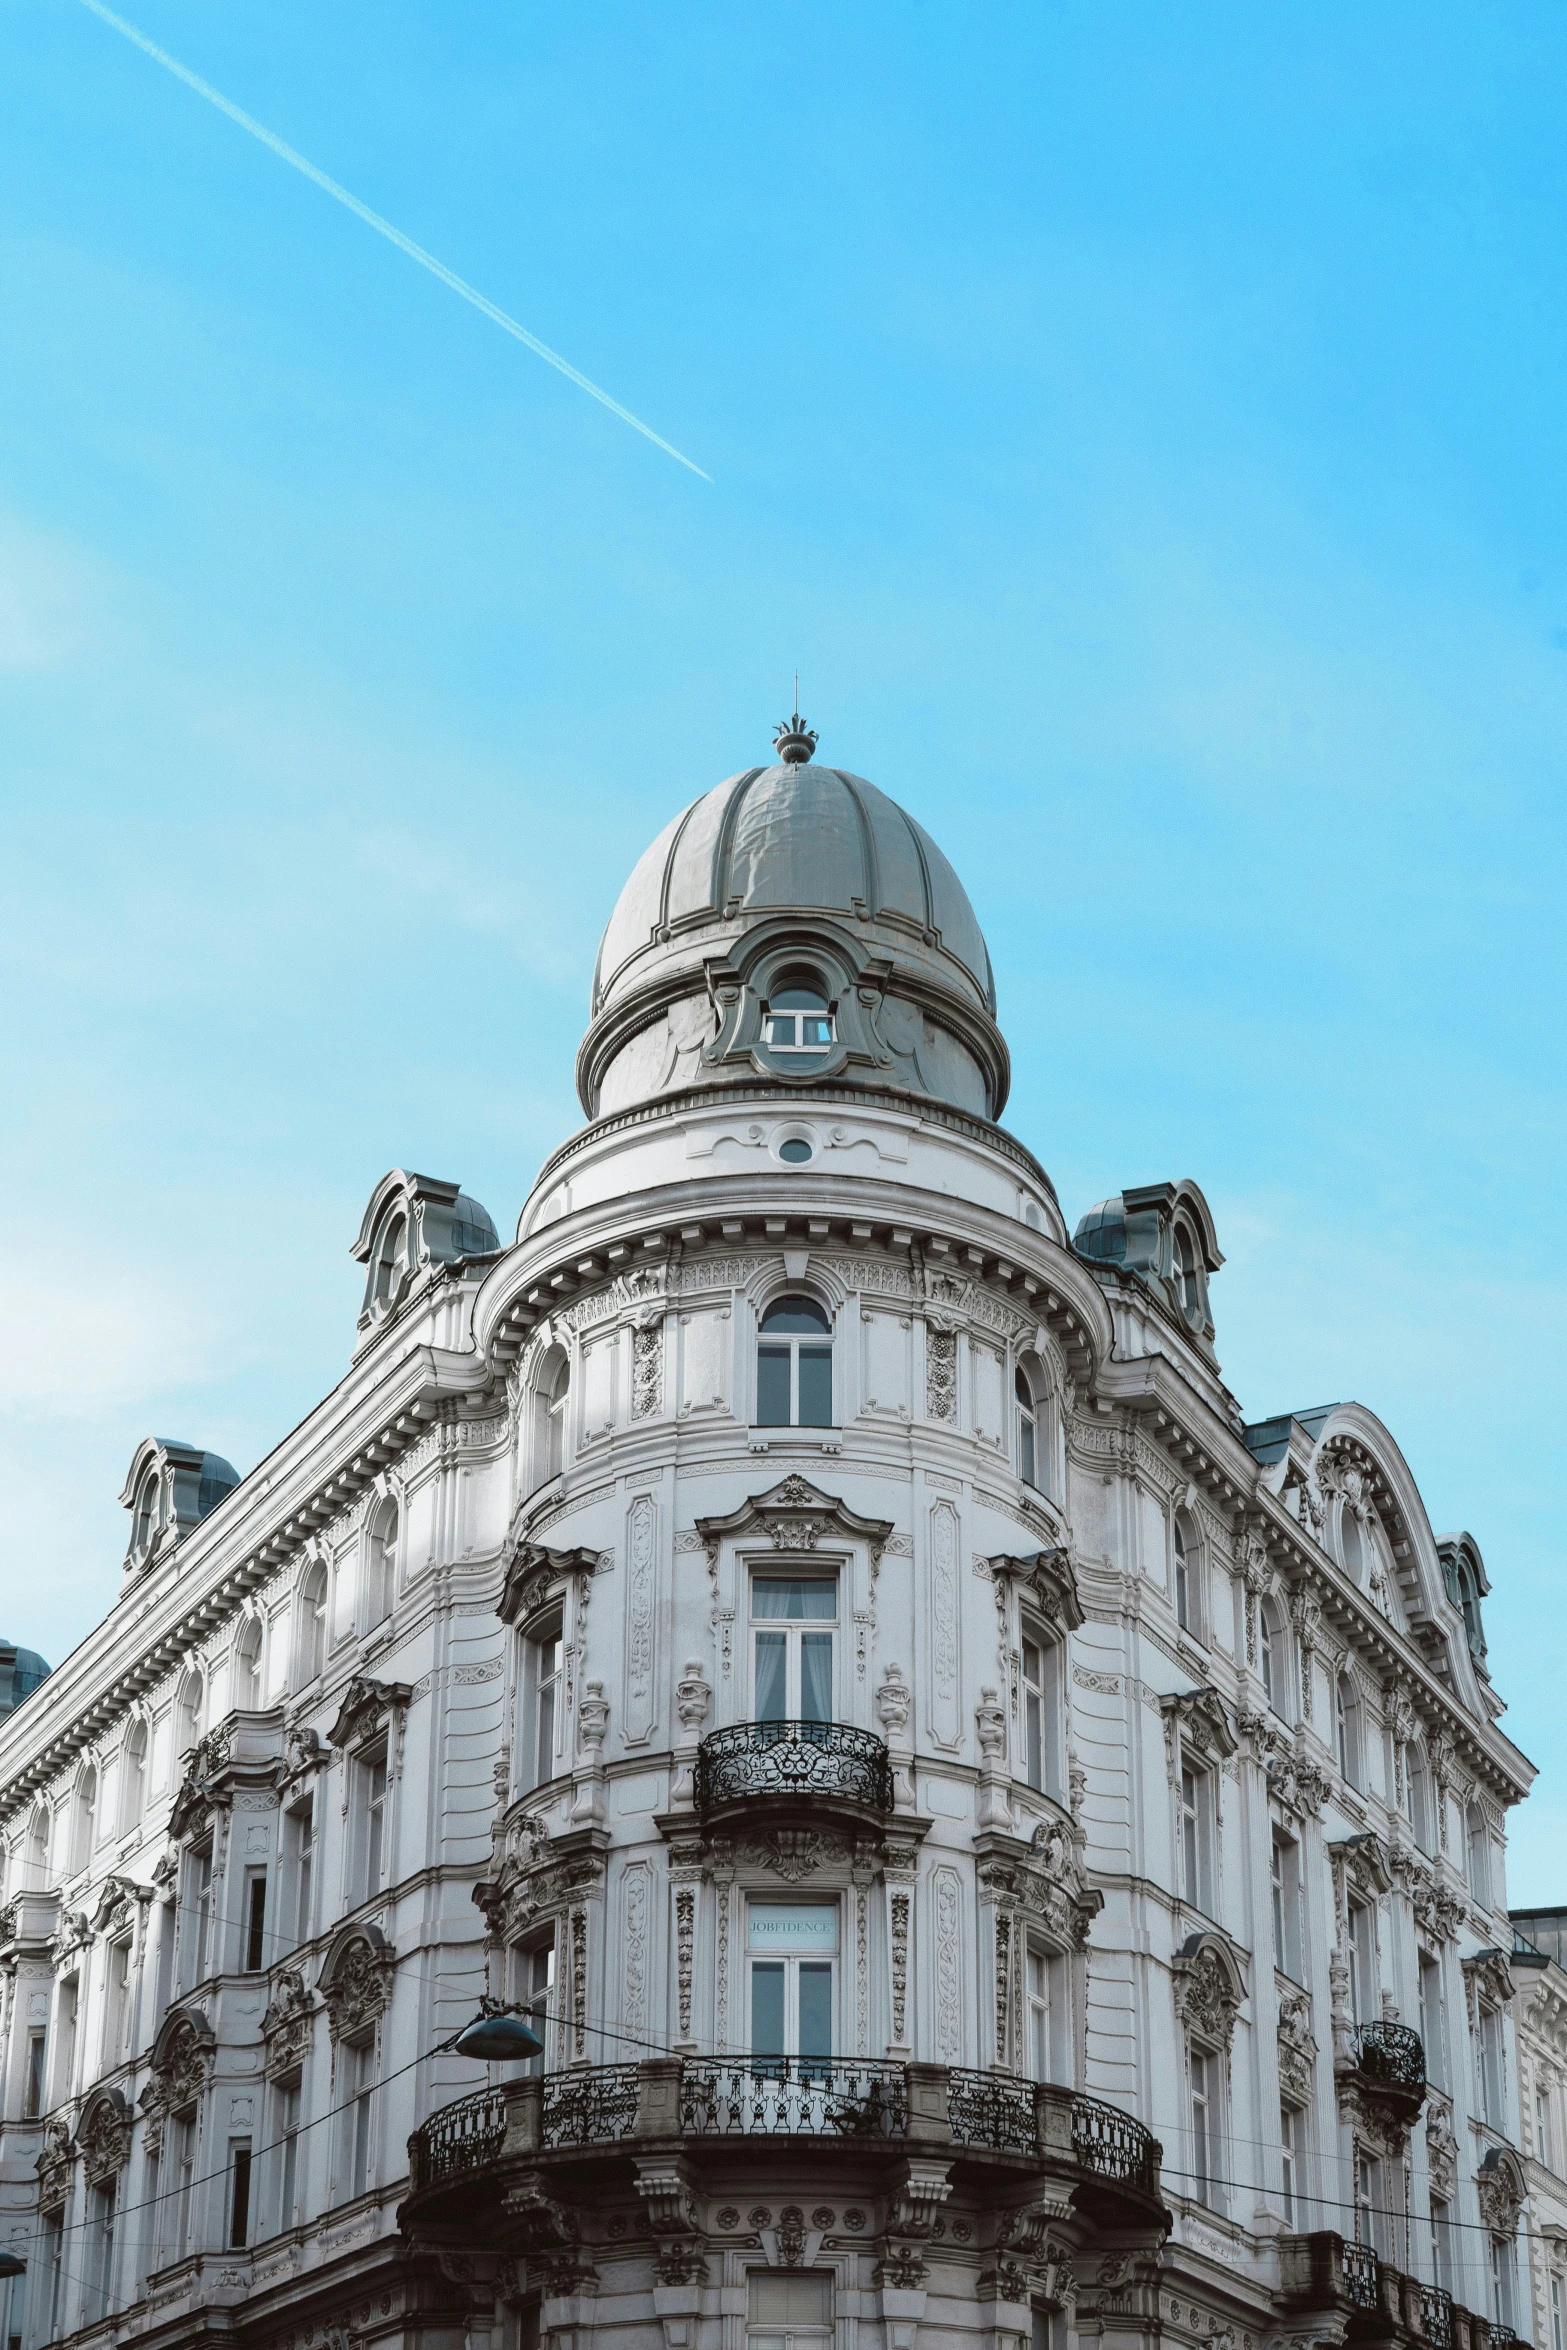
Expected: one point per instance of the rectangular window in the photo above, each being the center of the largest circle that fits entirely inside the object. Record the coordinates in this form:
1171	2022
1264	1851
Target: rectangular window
1205	2168
1046	2019
1365	1998
101	2248
1501	2281
1442	2243
360	2090
198	1913
788	2310
255	1921
1492	2100
792	1636
65	2039
1289	2146
1433	2021
534	1977
1556	2314
372	1796
299	1833
239	2193
1542	2128
1196	1838
543	1661
152	2218
1286	1905
116	2003
1041	1714
182	2182
54	2269
33	2092
1370	2205
288	2154
792	1947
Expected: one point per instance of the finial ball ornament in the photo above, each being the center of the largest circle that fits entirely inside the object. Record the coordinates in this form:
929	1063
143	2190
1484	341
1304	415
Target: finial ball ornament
794	741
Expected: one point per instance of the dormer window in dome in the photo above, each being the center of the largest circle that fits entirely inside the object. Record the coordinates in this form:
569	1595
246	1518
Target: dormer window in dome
799	1019
794	1365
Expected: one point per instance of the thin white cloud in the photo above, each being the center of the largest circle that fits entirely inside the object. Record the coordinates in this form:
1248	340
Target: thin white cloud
77	1349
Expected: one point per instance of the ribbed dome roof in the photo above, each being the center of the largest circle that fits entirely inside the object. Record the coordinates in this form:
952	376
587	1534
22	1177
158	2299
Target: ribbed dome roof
793	838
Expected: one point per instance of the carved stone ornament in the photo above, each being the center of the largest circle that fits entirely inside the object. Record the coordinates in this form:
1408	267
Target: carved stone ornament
795	1515
530	1878
894	1702
1487	1976
181	2061
286	2026
302	1752
204	1787
54	2163
104	2137
535	1574
1295	1782
1044	1881
356	1982
991	1722
120	1895
1441	2144
1297	2048
592	1717
693	1696
1209	1988
367	1707
1360	1865
1500	2185
1196	1721
1047	1580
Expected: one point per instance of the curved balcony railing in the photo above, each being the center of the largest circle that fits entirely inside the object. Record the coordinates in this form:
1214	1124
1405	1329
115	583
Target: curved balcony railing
996	2111
1110	2143
806	1759
1436	2316
1360	2275
466	2136
1392	2056
992	2109
786	2097
595	2105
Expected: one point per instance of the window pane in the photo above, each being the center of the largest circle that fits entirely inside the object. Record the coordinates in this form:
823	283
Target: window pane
1026	1450
767	2009
779	2299
816	1677
796	1316
794	1596
772	1387
815	2009
816	1387
772	1698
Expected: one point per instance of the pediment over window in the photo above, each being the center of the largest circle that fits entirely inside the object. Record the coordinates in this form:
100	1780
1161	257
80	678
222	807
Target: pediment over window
366	1708
1198	1719
538	1573
1047	1580
795	1515
356	1980
1210	1987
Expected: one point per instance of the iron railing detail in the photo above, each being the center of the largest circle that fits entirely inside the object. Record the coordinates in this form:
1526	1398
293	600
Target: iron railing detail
790	2096
1436	2316
1393	2054
992	2109
594	2105
462	2137
1360	2275
1110	2143
1501	2333
793	1758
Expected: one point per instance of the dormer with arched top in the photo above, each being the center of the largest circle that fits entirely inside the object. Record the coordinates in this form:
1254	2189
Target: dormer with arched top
1164	1233
413	1225
169	1488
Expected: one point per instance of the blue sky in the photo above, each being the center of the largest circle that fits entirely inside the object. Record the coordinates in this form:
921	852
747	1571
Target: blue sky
1143	428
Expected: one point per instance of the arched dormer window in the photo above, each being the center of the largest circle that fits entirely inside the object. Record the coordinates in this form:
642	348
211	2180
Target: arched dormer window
1188	1286
247	1665
391	1260
1346	1724
312	1622
1028	1447
794	1365
797	1017
381	1562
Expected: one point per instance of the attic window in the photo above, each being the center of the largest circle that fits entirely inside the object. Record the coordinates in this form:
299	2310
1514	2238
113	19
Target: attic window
799	1020
1186	1283
389	1260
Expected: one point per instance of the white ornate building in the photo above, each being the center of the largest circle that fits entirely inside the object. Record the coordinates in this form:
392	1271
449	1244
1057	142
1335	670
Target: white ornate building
1002	1848
1540	2010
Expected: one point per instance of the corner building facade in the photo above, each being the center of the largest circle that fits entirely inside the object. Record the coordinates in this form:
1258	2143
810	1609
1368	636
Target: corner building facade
1001	1850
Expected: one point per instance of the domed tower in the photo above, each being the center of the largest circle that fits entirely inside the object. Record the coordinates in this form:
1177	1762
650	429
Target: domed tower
792	1849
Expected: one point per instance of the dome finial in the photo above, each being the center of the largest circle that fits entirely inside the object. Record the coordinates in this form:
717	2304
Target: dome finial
793	740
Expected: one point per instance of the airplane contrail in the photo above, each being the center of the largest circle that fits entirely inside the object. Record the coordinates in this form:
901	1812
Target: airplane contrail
384	228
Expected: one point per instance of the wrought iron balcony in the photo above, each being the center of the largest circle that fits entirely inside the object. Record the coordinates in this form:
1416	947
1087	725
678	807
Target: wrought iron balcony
463	2137
810	1761
1391	2058
595	2105
1320	2272
1436	2316
793	2097
1360	2275
1012	2117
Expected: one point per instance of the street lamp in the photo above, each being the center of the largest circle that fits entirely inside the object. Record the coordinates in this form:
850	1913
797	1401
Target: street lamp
498	2034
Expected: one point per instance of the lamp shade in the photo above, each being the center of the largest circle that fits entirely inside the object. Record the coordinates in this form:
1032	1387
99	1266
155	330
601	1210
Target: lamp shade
10	2266
498	2039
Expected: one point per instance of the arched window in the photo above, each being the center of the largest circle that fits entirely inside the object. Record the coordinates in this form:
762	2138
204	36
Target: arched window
312	1622
381	1564
146	1521
1351	1542
1346	1722
1479	1843
1187	1286
1186	1575
1469	1602
794	1366
797	1017
1420	1797
1027	1430
38	1849
84	1820
1272	1653
247	1665
389	1260
133	1786
551	1396
187	1713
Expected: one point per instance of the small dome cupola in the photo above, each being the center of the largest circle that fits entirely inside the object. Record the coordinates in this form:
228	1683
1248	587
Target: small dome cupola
414	1223
794	923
